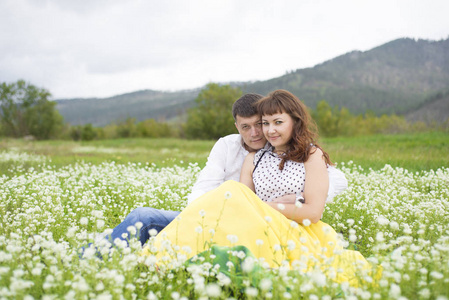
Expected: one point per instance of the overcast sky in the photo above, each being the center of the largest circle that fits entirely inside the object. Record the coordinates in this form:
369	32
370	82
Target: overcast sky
101	48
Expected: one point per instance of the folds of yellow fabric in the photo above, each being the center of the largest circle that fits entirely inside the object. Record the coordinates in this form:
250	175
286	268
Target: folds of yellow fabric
233	215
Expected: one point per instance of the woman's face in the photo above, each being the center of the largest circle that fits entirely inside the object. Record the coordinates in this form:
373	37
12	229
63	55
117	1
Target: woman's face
278	130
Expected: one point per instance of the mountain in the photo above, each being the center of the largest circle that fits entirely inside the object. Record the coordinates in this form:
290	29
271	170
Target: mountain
434	109
141	105
397	77
391	78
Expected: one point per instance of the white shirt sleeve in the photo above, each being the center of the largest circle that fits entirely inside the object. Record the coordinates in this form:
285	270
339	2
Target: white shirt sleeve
337	183
213	174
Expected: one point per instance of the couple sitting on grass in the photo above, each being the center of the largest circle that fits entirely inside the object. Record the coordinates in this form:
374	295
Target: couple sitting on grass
265	189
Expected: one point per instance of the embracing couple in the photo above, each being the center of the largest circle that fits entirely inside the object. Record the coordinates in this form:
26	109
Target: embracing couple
224	163
264	189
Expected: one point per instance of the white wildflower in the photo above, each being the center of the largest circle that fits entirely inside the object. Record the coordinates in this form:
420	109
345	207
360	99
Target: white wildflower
291	245
248	265
84	221
213	290
138	225
251	292
265	284
232	238
425	293
132	230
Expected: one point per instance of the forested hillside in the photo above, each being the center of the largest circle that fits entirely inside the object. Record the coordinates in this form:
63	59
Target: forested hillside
434	109
397	77
392	78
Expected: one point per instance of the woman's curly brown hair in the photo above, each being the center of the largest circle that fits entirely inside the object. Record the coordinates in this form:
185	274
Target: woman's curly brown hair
304	130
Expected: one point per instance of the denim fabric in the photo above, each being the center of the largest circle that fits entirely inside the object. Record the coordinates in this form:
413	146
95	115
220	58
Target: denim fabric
151	218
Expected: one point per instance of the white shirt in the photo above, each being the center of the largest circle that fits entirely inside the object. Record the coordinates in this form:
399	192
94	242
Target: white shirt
225	163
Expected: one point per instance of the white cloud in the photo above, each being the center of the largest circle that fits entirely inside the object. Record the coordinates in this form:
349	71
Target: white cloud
102	47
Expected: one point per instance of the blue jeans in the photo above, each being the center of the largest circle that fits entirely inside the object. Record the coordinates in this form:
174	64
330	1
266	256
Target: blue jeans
151	218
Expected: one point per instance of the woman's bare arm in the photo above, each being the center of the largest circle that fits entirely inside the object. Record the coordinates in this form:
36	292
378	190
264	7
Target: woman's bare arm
246	175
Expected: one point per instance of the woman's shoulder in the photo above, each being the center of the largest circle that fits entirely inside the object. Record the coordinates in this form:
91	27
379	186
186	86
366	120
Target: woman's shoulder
314	150
316	155
251	155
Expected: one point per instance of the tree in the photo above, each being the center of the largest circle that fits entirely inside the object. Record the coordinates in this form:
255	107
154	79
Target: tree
211	118
153	129
26	110
127	128
333	121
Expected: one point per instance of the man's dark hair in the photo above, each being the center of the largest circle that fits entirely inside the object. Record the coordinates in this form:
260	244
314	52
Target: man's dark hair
244	106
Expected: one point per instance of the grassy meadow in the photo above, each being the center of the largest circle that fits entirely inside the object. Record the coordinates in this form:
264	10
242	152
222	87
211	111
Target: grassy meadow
414	152
56	196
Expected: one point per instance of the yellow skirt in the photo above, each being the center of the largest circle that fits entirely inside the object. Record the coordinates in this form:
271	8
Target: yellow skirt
233	215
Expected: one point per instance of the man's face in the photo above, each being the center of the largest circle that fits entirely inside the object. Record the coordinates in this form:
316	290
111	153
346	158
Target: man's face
250	130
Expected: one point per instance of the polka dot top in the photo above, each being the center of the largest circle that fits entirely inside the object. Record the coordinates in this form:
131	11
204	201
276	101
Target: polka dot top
270	182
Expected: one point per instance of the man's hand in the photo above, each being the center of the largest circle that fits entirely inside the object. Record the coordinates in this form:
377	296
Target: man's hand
287	199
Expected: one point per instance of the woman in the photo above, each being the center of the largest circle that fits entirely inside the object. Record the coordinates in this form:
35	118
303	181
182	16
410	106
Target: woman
292	159
290	177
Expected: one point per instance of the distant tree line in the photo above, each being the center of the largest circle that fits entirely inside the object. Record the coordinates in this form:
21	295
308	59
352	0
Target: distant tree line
27	112
128	128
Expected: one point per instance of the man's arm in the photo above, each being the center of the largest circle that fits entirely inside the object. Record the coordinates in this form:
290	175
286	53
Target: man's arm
213	174
315	191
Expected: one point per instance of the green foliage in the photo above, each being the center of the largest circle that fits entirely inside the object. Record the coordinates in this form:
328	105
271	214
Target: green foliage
124	129
211	118
337	121
88	133
83	132
26	110
333	121
151	128
127	128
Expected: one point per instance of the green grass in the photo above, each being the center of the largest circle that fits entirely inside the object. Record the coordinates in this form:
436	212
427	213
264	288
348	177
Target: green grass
414	152
161	152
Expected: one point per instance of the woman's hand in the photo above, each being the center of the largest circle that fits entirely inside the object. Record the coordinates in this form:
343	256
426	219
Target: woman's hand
286	199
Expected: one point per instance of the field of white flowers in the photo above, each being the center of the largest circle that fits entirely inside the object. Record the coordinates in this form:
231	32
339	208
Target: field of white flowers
395	218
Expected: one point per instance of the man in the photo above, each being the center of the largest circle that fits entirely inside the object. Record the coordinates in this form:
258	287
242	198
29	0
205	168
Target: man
224	163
